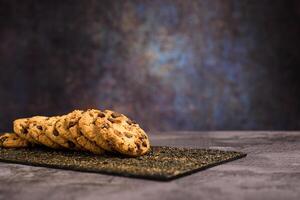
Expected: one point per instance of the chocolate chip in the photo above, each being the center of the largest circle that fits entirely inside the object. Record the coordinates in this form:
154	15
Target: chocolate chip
24	131
144	144
39	127
105	126
138	145
111	120
71	124
129	121
71	144
55	132
115	115
101	115
127	134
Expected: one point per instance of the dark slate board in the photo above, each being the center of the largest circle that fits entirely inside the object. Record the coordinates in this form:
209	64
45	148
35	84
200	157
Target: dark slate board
161	163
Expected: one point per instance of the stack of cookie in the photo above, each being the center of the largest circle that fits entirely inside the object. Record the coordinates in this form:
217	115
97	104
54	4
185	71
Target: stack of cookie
92	130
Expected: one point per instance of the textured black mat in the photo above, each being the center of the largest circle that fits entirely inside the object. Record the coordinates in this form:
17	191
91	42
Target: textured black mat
162	163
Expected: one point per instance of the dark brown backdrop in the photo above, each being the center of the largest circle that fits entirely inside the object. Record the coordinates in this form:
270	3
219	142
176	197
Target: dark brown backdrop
171	65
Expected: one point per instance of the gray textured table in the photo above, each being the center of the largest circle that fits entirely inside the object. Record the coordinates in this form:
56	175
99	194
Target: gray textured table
270	171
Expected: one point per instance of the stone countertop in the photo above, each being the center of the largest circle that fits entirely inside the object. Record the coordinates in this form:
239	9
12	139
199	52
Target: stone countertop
271	170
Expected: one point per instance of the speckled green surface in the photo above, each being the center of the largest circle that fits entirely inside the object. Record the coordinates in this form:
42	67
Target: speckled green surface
162	163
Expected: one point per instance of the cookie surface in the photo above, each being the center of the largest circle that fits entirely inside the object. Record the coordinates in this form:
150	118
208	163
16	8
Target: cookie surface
65	133
52	133
121	134
37	131
113	131
87	125
84	142
72	121
12	140
21	127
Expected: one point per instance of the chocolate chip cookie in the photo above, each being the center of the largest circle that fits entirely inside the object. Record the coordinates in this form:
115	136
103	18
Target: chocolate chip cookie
65	133
113	131
37	131
87	125
52	133
12	140
21	127
71	131
84	142
92	130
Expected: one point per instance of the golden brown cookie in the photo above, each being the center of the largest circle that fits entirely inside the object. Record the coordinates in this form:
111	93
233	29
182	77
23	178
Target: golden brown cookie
87	124
89	130
37	131
12	140
121	134
69	129
84	142
113	131
21	127
52	133
64	132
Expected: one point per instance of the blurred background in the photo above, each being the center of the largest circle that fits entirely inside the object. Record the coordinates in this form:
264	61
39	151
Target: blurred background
169	64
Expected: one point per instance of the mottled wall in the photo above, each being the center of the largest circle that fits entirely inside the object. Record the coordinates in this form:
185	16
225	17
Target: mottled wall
171	65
